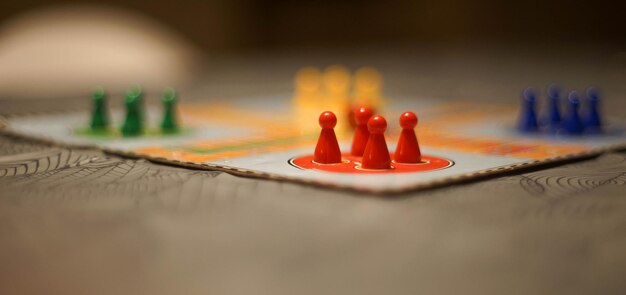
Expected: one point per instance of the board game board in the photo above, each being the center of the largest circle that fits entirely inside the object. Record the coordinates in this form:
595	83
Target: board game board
265	137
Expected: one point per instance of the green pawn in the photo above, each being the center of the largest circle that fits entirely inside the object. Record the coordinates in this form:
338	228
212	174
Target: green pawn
99	116
133	125
137	92
169	123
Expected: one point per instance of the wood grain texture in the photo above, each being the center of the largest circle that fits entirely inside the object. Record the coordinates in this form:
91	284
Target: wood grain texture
78	221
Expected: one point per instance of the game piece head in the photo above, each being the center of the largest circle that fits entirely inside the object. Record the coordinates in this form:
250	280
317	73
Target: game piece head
135	90
99	94
553	91
169	95
377	125
368	78
362	115
573	98
408	120
529	94
130	99
593	94
336	77
328	120
308	78
133	94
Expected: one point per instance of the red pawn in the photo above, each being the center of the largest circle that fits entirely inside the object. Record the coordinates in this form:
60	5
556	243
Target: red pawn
408	149
327	149
361	134
376	154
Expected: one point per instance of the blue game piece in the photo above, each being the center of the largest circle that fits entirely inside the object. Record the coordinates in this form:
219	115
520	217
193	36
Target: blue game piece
593	121
528	116
553	115
571	122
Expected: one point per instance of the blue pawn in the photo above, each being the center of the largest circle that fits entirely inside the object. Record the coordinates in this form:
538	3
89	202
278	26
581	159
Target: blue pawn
593	122
527	121
553	114
572	123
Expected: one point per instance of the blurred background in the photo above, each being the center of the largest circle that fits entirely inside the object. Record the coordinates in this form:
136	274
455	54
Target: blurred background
251	25
442	48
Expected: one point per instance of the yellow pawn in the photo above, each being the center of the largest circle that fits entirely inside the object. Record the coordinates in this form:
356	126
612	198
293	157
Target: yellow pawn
368	88
337	82
307	100
307	83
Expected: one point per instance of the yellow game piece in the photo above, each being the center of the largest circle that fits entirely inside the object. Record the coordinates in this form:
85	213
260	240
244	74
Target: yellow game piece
307	100
337	81
307	84
368	88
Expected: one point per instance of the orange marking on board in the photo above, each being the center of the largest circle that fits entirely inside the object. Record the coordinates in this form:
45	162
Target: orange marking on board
236	117
193	157
155	152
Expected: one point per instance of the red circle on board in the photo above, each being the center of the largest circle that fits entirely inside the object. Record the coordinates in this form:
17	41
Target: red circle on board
352	165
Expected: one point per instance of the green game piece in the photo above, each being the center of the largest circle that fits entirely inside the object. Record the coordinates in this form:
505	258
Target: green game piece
99	116
169	123
136	91
133	125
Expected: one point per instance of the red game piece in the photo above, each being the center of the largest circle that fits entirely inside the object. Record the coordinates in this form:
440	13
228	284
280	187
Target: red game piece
376	154
361	134
408	149
327	149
